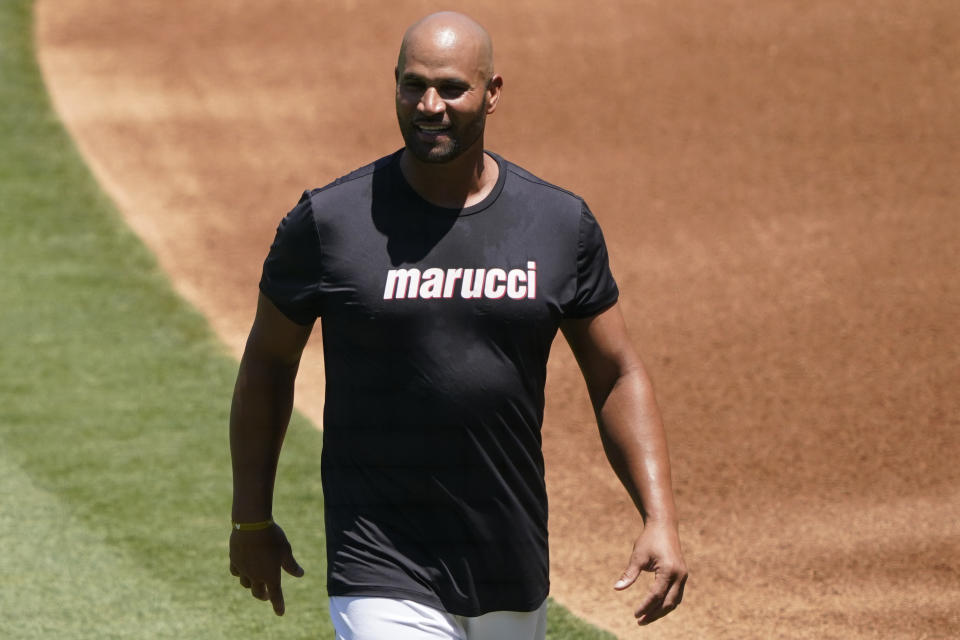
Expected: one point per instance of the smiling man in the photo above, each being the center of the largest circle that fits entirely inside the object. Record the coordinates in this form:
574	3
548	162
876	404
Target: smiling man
441	275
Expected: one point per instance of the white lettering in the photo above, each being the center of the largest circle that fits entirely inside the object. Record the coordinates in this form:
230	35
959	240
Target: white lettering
401	283
435	282
452	276
472	283
491	289
514	289
432	284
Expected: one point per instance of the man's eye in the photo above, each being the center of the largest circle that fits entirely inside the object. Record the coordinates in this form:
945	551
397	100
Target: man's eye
451	92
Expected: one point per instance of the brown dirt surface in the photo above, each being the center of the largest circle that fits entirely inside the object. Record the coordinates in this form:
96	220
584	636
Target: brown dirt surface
778	185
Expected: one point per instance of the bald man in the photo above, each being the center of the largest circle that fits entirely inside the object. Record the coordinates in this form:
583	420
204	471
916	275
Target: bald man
441	274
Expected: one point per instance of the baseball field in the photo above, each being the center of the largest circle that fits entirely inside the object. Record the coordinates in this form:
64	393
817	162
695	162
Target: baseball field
777	182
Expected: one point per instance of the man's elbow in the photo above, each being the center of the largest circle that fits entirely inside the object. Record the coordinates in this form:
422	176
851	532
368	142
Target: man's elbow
259	369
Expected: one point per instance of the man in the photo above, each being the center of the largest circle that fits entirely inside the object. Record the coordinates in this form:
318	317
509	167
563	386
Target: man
441	274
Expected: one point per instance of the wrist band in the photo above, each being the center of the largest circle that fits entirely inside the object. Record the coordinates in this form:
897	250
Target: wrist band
252	526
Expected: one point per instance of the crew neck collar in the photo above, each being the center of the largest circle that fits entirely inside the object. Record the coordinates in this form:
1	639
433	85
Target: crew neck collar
447	211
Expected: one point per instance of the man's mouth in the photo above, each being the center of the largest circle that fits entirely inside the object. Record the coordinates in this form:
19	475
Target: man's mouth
428	127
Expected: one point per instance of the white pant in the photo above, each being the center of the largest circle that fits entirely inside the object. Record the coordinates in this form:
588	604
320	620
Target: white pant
368	618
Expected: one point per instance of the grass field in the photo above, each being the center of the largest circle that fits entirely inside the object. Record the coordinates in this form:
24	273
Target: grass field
113	444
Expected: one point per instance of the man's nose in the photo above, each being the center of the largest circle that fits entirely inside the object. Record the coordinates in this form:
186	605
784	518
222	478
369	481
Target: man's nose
431	102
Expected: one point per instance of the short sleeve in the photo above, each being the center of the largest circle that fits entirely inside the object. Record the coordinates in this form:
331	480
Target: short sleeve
291	276
596	289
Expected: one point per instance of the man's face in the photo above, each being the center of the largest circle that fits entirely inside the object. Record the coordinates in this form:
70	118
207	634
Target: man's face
443	97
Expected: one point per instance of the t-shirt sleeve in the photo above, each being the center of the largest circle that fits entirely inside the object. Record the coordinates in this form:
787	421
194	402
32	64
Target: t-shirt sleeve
291	276
596	289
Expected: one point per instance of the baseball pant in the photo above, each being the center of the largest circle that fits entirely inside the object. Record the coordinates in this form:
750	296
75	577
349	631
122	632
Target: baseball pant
369	618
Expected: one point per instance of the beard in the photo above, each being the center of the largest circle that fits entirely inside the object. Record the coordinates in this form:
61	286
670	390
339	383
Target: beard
459	138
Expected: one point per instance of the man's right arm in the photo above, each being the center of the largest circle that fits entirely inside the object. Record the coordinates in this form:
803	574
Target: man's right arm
262	404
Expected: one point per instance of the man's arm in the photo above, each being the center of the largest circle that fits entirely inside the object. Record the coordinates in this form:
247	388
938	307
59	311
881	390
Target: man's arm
262	404
636	446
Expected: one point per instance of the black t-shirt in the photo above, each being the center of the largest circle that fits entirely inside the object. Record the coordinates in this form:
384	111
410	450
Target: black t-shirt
437	324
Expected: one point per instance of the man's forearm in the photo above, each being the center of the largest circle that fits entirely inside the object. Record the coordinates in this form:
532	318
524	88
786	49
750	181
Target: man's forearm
636	446
260	412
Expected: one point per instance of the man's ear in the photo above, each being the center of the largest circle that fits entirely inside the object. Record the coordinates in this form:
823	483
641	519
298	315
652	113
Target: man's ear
494	87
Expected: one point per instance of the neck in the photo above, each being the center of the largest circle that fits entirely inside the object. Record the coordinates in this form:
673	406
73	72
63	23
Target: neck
462	182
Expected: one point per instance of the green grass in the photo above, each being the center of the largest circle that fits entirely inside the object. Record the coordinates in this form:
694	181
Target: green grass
114	399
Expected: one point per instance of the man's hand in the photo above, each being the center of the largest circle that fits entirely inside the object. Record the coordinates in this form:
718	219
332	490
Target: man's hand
256	557
657	550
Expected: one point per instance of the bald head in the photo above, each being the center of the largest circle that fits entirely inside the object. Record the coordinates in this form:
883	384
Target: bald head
446	35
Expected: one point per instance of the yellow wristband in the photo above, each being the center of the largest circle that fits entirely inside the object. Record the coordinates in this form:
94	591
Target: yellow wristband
252	526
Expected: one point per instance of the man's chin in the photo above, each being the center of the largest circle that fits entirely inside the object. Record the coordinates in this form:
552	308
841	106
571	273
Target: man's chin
432	154
435	155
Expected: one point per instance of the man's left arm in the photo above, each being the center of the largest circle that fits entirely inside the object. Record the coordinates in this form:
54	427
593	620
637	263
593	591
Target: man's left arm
636	446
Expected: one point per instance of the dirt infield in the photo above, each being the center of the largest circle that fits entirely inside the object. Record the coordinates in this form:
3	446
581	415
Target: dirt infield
778	185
